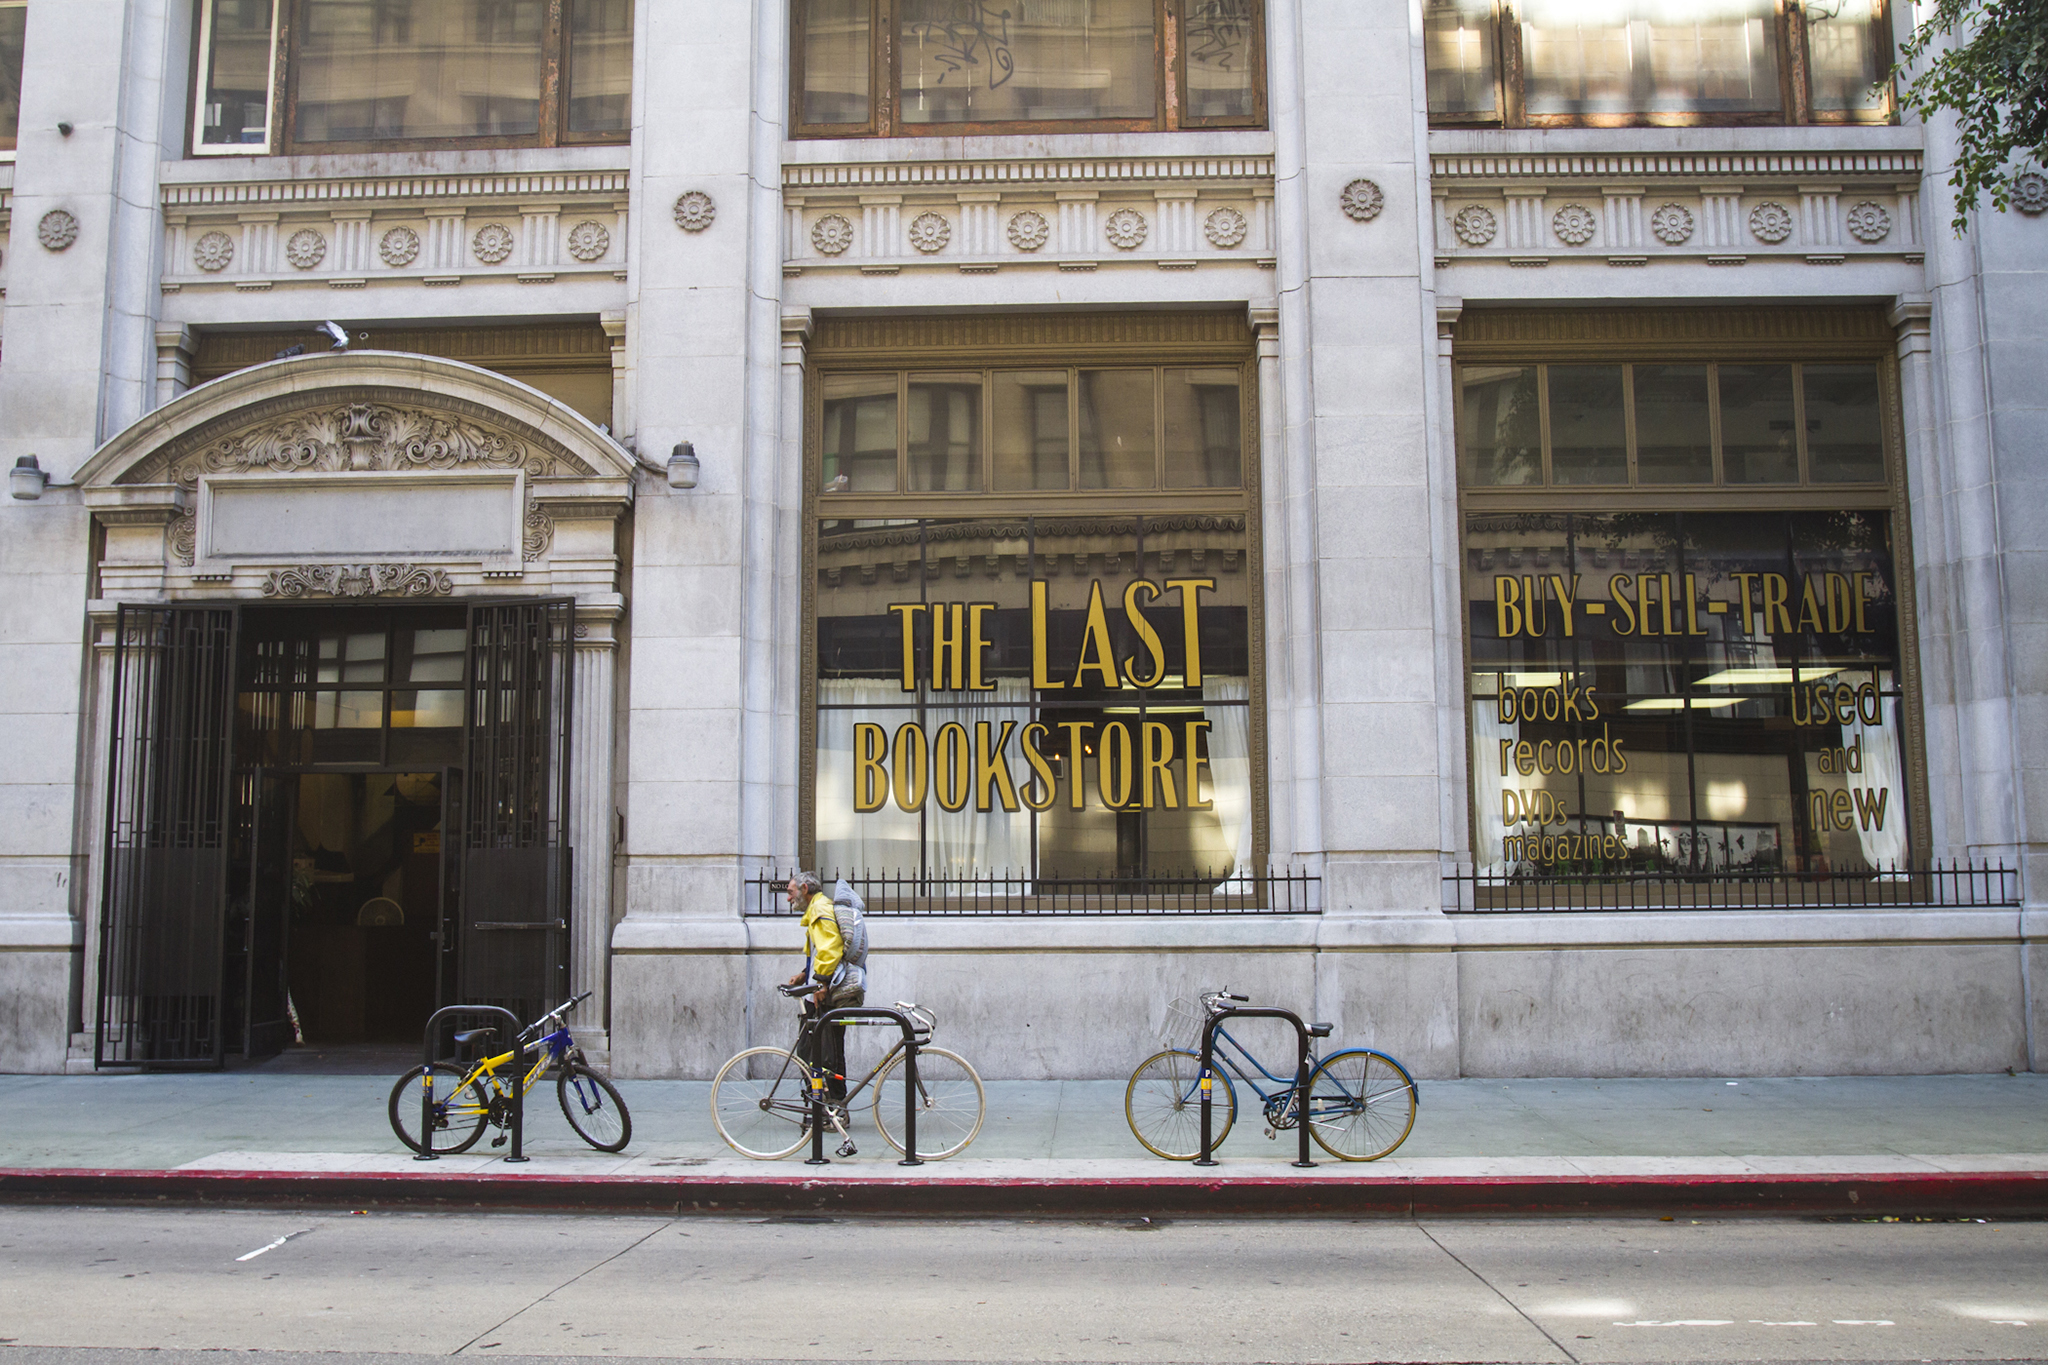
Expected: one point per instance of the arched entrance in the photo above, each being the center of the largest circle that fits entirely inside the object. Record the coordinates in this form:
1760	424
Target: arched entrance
356	621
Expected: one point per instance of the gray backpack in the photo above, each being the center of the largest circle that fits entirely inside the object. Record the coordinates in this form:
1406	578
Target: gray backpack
851	912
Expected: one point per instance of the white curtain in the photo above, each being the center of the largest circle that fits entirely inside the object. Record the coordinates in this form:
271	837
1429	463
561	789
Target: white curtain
968	841
1489	835
1882	772
1230	769
878	841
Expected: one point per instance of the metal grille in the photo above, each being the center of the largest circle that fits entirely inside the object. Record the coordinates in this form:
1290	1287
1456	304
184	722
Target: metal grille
515	868
1288	892
160	958
1904	885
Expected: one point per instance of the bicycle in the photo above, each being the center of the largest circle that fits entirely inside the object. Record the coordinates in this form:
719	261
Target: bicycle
463	1102
761	1104
1361	1102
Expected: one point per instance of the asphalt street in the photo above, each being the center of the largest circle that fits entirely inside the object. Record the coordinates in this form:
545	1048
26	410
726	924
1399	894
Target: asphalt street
94	1285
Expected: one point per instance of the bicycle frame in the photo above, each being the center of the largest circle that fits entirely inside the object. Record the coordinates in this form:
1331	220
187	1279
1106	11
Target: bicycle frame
554	1049
1237	1067
810	1026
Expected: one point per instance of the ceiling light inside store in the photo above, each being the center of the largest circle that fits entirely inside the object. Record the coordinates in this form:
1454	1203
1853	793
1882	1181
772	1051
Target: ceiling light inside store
1754	677
1536	679
1678	703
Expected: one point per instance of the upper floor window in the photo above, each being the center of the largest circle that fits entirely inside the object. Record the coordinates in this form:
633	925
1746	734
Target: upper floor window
883	68
341	75
1558	63
13	20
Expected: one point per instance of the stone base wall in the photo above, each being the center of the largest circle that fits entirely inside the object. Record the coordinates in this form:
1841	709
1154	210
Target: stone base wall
1767	994
35	1000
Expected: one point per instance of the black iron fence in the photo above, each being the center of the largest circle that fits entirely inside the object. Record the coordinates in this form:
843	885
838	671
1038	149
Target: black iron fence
1902	885
1287	891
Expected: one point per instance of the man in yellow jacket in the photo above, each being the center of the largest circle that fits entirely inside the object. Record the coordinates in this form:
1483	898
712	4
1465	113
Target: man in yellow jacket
839	983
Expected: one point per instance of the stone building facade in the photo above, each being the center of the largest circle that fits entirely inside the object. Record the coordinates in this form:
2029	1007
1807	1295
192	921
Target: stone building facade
1510	533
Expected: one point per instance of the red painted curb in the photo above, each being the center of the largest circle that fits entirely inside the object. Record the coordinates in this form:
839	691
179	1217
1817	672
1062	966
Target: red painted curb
2021	1194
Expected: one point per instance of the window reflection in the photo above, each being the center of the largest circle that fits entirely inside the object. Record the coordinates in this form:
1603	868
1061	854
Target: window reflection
836	65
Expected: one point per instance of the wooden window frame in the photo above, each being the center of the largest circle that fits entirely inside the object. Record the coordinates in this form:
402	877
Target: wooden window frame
854	345
1795	94
1712	335
288	25
885	75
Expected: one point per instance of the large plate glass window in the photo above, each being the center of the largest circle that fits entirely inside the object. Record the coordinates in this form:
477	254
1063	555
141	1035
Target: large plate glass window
1034	600
1686	625
1546	63
370	74
907	67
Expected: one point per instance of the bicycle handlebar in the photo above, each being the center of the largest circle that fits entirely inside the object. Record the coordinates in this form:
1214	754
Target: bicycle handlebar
534	1029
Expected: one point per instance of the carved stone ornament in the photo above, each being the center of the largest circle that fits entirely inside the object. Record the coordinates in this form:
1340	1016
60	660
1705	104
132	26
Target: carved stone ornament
832	234
358	580
1672	224
1126	229
1771	222
1225	228
57	230
1868	222
1362	201
399	248
929	232
213	252
363	436
184	537
492	243
1574	224
694	211
1029	231
1475	225
589	240
306	249
2030	194
540	533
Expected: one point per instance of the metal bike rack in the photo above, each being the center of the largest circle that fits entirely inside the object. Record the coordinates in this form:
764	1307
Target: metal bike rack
1303	1031
512	1030
817	1084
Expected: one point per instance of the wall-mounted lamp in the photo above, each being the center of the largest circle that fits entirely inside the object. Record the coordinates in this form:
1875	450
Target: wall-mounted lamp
27	479
682	466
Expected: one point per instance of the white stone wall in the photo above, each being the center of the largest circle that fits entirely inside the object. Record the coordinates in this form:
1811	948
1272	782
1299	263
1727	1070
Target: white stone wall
1365	723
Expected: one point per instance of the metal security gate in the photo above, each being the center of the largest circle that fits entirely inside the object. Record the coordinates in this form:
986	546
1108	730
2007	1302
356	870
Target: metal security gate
515	817
169	817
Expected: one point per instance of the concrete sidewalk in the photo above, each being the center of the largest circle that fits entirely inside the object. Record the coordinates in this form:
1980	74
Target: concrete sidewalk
1911	1144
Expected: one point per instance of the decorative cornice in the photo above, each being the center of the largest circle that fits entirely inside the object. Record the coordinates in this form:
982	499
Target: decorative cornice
358	580
1047	173
1466	168
394	190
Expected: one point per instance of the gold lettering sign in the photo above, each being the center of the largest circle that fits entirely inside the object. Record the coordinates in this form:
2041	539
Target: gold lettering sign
1151	768
959	643
1653	605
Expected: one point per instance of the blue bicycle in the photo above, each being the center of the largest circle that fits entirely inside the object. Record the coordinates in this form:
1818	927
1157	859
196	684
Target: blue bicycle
1360	1103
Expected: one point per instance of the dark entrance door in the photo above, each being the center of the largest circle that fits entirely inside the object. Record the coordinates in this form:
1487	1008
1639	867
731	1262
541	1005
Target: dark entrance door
515	818
162	905
220	876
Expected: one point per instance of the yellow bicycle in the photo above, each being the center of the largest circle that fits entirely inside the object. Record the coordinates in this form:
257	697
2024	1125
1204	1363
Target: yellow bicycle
463	1103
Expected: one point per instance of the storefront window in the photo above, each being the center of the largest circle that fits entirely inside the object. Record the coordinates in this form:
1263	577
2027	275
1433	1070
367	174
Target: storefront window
1034	626
1701	682
1685	692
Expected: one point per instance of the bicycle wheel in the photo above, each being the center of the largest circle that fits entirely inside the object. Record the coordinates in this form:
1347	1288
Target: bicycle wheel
950	1108
459	1113
593	1108
758	1103
1361	1104
1163	1103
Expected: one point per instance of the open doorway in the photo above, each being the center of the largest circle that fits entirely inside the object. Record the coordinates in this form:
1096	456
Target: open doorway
366	899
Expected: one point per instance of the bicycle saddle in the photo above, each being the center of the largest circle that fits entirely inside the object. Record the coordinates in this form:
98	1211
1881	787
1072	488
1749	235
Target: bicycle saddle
1319	1030
471	1035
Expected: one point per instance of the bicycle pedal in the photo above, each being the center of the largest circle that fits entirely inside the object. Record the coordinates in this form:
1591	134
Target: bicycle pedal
848	1149
1272	1133
499	1140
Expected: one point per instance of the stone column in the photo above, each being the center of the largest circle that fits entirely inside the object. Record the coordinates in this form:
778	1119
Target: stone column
593	820
175	346
1281	836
